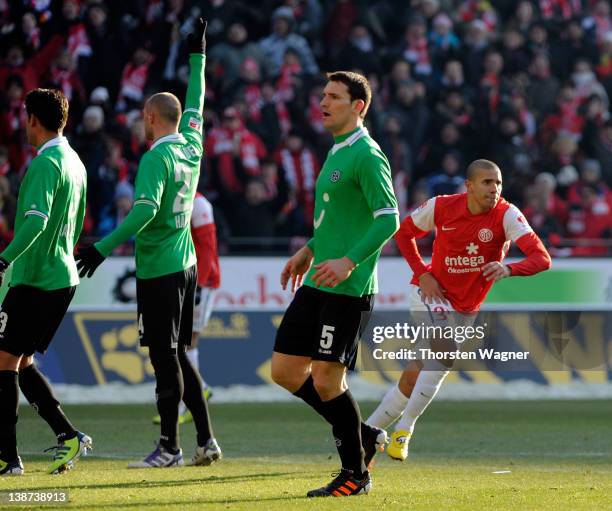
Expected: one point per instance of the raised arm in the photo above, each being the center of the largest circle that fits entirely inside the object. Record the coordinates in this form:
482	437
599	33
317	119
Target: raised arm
191	120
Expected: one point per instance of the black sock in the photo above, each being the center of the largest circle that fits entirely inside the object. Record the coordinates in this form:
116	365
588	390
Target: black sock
168	393
9	402
194	400
309	395
38	392
346	427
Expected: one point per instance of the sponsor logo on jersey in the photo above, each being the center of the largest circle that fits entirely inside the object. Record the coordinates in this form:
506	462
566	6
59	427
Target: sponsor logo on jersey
194	123
444	228
485	235
465	264
472	248
335	176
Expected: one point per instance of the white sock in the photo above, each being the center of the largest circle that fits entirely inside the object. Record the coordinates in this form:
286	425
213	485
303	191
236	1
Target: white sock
192	356
425	389
390	408
182	408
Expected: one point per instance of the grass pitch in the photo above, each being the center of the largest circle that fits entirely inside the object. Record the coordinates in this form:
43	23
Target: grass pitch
550	455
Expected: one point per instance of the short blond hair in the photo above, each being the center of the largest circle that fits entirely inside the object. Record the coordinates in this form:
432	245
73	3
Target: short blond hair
167	105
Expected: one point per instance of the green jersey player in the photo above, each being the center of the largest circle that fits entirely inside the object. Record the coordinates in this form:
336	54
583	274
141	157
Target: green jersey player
165	258
50	212
355	214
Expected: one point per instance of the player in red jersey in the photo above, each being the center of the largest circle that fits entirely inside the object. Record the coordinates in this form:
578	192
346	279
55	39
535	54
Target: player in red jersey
204	234
473	233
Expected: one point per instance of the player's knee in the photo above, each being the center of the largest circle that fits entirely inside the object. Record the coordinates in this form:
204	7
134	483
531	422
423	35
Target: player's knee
26	361
281	375
327	386
8	361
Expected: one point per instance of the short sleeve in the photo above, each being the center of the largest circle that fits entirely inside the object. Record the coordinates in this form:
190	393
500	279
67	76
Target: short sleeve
515	224
202	213
424	216
150	180
38	189
374	176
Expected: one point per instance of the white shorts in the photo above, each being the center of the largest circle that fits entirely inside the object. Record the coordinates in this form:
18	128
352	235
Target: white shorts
436	314
203	309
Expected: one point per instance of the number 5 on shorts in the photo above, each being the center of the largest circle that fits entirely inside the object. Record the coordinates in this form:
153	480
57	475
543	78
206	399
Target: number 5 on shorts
327	336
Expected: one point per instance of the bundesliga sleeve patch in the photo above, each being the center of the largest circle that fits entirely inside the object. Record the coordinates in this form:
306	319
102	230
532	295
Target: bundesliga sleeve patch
194	123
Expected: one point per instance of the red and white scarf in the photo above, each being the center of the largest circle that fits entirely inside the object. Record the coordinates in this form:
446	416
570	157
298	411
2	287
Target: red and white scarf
301	174
566	8
78	42
133	81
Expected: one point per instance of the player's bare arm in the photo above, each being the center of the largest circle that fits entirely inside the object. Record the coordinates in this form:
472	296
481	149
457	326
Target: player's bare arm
295	269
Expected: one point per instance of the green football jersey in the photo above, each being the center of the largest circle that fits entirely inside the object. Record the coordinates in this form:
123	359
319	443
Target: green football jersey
54	188
167	179
353	188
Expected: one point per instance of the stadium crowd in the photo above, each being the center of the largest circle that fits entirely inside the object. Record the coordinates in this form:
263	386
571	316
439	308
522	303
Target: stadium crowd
523	83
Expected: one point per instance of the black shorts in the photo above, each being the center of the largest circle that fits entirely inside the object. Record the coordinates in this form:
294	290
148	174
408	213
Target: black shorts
165	308
323	326
30	316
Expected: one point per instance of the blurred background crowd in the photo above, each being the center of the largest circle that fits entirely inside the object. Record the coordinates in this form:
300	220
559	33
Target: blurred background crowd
524	83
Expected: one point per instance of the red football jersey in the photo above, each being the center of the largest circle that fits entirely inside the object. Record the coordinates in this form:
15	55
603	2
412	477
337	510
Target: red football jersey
464	243
204	234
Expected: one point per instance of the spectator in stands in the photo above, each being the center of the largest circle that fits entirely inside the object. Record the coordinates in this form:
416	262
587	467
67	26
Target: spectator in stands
476	45
89	143
589	221
542	202
523	17
547	225
443	42
134	80
396	146
234	157
453	79
409	105
254	217
514	52
29	70
599	146
228	57
283	38
415	48
300	169
8	209
543	87
13	121
450	179
590	175
116	210
106	46
360	51
269	118
586	84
